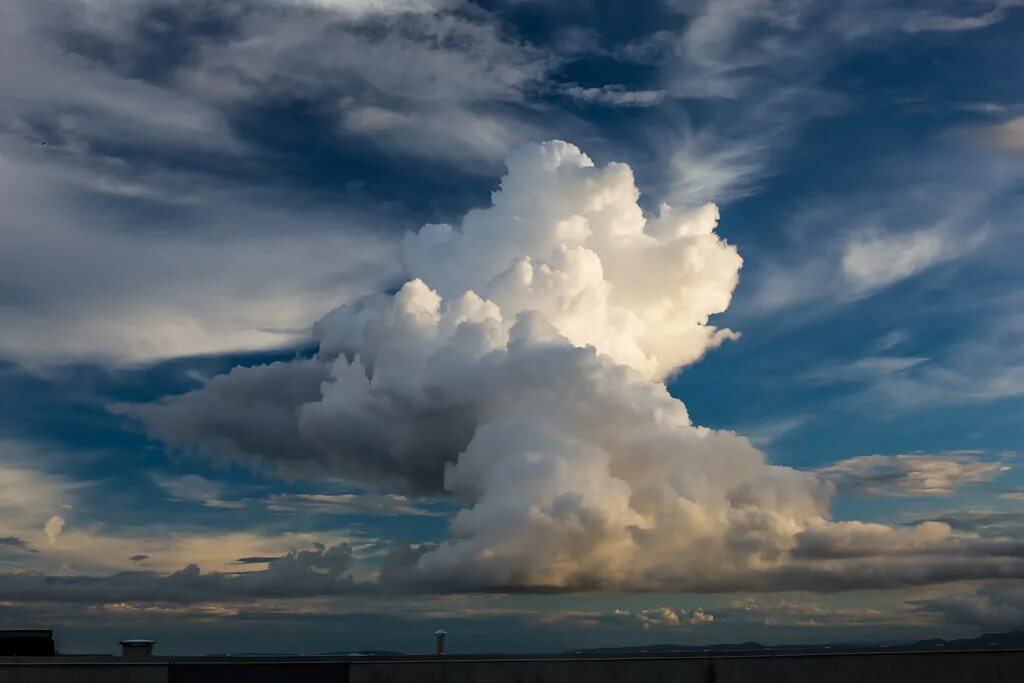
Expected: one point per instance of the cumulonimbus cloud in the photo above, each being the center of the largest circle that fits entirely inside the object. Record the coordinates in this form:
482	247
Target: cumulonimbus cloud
520	370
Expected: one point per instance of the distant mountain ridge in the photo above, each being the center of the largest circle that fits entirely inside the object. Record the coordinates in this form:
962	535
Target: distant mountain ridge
1008	639
985	640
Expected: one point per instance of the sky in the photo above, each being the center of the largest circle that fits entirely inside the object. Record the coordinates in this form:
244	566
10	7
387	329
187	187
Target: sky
328	323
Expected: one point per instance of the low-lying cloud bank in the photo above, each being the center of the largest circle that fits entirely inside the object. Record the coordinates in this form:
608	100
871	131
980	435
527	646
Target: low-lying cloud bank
520	369
305	573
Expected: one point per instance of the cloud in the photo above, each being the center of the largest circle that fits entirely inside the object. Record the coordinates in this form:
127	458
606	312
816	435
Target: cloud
992	12
190	487
911	475
249	415
168	214
53	527
872	260
350	504
256	560
321	571
863	263
745	78
339	504
669	617
77	102
363	8
102	549
32	493
987	365
1007	135
993	606
193	488
859	539
868	368
767	433
987	523
519	370
891	340
139	295
615	95
707	164
14	542
786	611
167	241
581	253
444	81
588	265
918	226
758	71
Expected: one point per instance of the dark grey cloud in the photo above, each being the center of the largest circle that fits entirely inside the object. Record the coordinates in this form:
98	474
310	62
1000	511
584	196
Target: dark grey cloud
858	540
993	606
256	559
903	572
267	417
303	573
823	576
14	542
297	575
985	522
249	414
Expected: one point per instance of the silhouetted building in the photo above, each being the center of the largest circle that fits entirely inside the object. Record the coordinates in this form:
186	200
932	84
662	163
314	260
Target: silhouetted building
27	643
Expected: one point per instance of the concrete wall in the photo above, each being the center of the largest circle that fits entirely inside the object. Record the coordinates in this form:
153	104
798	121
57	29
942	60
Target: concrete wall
992	666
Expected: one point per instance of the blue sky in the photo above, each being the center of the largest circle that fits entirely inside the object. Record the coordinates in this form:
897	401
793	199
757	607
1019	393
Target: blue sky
186	188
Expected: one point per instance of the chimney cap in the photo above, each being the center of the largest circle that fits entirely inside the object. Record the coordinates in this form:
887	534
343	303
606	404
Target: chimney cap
440	632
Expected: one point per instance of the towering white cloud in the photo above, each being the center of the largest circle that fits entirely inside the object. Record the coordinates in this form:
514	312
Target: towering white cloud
568	240
519	370
53	527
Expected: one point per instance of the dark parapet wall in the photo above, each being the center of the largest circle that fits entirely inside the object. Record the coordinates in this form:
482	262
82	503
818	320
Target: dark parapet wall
537	671
969	666
930	667
258	672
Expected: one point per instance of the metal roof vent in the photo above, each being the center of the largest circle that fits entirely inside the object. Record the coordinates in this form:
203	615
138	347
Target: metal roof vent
137	648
